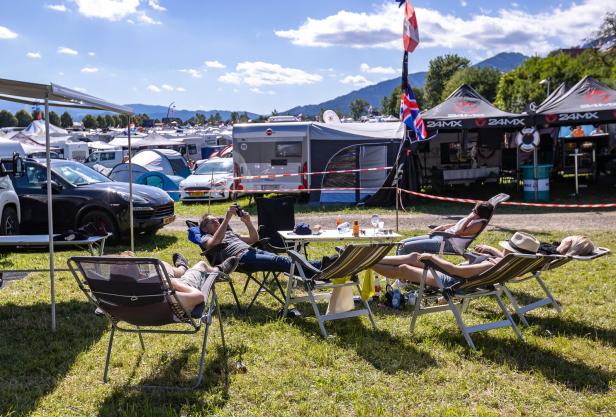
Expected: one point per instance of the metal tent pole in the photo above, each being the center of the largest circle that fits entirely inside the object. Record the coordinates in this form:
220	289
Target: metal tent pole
50	217
130	190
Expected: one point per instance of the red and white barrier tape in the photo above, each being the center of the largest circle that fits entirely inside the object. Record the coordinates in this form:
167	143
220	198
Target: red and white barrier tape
277	190
508	203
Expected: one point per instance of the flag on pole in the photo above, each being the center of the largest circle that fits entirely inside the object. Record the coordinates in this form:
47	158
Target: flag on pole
409	109
410	35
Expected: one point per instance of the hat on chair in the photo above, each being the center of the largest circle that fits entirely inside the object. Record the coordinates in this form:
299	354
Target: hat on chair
521	243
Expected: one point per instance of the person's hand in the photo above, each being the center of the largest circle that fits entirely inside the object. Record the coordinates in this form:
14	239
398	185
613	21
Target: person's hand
481	248
231	211
425	257
440	228
245	217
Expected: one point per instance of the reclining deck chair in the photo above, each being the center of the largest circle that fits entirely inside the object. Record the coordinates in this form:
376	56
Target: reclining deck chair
494	201
488	283
352	260
549	298
138	292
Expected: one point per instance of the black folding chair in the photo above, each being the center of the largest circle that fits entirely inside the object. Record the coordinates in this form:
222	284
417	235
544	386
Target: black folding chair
138	292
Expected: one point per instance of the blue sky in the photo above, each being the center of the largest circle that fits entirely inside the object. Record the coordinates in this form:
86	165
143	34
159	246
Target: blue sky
263	55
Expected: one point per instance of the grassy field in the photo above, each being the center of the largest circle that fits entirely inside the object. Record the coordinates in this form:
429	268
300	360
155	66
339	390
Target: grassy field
566	366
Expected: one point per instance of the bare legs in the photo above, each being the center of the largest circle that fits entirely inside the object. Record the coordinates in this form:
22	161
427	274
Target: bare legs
405	268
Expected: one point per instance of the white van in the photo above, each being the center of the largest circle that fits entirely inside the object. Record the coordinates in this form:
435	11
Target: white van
75	151
108	159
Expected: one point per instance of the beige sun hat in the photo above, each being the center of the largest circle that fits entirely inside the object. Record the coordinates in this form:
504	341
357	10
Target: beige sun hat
521	243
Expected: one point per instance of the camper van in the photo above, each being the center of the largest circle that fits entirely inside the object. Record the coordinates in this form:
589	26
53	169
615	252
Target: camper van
268	149
75	151
108	159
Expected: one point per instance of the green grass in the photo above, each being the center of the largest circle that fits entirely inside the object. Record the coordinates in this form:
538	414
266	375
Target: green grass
566	366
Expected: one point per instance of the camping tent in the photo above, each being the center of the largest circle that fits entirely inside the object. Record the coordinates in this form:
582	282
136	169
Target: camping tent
587	102
37	128
30	145
466	109
9	147
55	95
167	161
154	140
99	145
336	147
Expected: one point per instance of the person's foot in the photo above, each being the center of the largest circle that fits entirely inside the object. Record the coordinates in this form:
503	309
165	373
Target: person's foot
179	260
228	265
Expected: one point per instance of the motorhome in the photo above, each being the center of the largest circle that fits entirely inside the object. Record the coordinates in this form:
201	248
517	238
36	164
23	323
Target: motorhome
108	159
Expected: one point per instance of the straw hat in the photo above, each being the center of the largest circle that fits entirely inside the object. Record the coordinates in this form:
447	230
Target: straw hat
521	243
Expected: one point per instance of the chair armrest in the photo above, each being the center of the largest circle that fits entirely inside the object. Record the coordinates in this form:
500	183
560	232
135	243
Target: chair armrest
261	243
299	259
444	235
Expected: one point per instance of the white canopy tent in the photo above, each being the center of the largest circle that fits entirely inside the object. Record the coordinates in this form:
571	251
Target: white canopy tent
54	95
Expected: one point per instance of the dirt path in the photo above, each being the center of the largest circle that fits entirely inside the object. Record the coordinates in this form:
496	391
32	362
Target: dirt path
600	221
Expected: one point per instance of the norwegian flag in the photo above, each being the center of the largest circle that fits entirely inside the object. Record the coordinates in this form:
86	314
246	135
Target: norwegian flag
409	109
410	34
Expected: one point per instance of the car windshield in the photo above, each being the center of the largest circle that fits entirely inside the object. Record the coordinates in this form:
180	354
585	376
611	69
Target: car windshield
217	167
78	174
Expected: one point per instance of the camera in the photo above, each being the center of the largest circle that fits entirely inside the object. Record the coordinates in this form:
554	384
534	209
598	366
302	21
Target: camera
239	210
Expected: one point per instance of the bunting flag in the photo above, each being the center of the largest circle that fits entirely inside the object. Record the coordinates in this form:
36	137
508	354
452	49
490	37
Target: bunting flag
410	34
409	109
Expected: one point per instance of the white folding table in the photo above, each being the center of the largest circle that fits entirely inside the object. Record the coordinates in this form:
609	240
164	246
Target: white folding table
95	245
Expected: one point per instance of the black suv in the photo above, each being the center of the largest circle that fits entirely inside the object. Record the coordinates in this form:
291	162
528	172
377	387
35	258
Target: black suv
82	195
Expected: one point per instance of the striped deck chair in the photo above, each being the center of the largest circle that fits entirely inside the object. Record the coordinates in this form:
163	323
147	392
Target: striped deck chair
487	284
138	292
557	262
353	259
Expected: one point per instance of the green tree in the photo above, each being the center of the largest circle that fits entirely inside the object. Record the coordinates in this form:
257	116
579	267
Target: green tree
109	122
235	116
521	86
54	119
483	80
23	118
101	122
66	120
199	119
358	107
89	122
244	118
441	69
7	119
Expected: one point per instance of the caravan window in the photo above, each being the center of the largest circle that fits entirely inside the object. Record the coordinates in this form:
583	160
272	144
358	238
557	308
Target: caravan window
288	149
107	156
192	149
92	158
346	159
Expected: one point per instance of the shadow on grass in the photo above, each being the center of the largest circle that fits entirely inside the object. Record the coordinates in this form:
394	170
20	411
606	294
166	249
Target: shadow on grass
32	359
145	243
130	400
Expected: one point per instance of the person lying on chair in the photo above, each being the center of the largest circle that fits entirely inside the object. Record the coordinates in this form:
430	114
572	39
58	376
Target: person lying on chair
467	227
410	267
569	246
220	241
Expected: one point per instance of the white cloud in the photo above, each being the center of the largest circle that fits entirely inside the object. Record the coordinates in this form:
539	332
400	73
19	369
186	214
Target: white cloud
195	73
67	51
56	7
257	74
89	70
166	87
256	90
355	80
377	70
61	74
463	3
154	5
92	53
505	30
144	18
153	88
34	55
180	89
215	64
107	9
6	33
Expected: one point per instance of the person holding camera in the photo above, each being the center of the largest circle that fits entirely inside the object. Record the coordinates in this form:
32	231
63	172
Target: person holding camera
222	243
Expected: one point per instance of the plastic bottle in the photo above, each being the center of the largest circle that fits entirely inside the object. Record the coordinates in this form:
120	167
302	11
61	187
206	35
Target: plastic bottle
356	228
338	220
395	300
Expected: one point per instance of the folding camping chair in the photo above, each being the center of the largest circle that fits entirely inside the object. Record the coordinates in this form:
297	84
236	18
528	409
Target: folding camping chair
138	292
549	298
488	283
352	260
494	201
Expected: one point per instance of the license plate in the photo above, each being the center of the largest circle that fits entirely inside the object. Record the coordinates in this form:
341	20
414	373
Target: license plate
270	187
168	220
197	194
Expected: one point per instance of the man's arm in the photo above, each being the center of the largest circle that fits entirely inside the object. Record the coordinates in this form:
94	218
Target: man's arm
488	250
219	235
462	271
253	235
443	227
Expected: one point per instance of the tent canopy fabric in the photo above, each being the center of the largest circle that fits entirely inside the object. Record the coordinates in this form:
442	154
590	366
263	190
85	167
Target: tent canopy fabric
554	95
154	139
9	147
587	102
101	146
37	128
465	108
166	161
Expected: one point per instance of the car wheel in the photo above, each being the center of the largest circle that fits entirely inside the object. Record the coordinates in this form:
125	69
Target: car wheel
10	222
99	217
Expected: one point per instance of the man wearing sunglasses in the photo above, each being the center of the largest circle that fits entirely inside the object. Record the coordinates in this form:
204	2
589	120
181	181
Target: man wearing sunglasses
222	243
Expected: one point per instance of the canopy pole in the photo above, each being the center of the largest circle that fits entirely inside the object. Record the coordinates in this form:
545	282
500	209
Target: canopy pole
130	190
50	216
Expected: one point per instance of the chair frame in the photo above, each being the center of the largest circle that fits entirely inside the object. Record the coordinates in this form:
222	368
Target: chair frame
549	298
301	265
487	284
194	326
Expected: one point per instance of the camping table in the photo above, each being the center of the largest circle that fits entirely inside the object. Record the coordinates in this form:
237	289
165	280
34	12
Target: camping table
93	244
